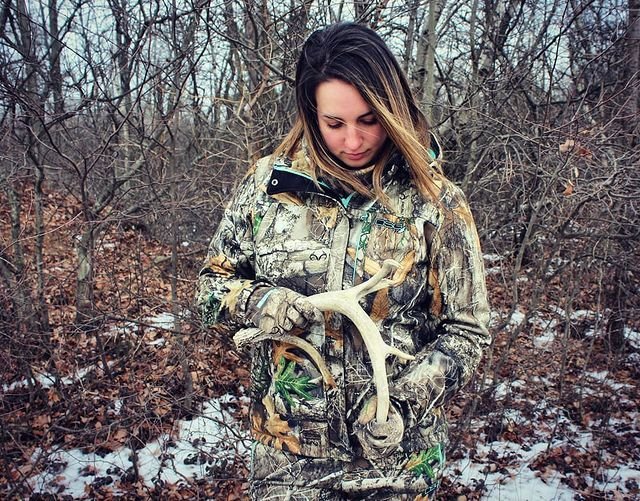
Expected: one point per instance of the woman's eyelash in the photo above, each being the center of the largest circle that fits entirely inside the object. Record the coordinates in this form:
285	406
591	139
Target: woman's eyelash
368	121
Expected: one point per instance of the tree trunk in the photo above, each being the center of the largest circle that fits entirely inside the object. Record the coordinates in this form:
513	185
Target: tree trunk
34	112
409	40
424	76
55	74
187	403
21	285
633	52
428	91
617	299
85	310
41	304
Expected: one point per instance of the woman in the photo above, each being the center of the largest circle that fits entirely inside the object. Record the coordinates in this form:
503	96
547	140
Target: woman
357	181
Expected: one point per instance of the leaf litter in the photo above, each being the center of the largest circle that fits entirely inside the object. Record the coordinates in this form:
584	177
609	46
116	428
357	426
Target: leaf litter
558	419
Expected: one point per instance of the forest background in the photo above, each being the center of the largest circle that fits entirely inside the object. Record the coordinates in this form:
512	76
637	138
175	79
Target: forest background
125	125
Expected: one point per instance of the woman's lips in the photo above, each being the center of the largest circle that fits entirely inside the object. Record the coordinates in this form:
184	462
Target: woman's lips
356	156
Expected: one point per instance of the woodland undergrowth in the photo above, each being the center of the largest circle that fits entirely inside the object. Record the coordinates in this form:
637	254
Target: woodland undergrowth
122	382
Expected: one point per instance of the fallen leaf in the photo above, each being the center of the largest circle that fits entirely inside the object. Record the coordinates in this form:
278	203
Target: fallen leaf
567	146
568	189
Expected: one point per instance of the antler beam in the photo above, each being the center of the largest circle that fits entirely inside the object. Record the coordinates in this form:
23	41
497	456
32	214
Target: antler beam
346	302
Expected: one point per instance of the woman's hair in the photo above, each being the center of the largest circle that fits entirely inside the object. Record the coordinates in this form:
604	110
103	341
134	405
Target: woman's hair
357	55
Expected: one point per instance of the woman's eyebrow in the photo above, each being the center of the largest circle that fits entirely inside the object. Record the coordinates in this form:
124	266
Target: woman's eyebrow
332	117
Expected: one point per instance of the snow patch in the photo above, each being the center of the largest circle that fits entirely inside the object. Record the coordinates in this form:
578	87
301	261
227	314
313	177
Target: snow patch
517	317
162	321
544	340
632	337
511	482
48	380
197	449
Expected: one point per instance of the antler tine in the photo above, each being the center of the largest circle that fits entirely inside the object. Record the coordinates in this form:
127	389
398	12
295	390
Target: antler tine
377	282
254	335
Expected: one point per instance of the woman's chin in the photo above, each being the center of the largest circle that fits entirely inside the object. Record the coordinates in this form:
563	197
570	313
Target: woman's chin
356	164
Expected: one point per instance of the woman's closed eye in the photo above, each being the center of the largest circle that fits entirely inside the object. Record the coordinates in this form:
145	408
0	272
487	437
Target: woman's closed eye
369	121
366	122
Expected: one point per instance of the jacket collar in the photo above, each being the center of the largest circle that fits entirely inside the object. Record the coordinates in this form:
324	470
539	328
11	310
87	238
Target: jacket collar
285	179
293	176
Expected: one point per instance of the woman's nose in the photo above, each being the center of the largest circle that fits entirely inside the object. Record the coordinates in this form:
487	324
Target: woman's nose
353	138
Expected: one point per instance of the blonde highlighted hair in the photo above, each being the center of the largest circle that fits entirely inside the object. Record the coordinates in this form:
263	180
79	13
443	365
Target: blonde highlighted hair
356	55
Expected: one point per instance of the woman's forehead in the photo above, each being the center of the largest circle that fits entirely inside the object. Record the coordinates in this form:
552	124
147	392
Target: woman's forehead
335	98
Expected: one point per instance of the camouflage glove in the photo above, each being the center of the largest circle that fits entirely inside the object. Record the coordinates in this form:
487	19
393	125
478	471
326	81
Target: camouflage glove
278	309
378	439
431	377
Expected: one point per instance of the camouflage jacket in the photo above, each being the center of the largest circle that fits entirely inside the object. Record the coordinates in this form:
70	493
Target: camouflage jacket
283	229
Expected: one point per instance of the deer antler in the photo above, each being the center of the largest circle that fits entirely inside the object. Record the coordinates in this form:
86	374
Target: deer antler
346	302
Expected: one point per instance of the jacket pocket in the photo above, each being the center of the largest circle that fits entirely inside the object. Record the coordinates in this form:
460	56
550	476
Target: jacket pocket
288	408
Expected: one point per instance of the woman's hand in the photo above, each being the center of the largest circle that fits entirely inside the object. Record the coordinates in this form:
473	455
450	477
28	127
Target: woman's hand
378	439
278	309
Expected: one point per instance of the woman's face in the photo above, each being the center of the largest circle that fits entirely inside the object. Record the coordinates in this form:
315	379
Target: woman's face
348	125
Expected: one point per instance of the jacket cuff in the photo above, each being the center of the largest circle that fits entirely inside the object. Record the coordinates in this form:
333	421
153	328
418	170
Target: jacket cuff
256	298
232	305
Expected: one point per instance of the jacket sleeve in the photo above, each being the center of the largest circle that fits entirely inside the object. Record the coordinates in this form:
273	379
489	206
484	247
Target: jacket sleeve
227	279
460	306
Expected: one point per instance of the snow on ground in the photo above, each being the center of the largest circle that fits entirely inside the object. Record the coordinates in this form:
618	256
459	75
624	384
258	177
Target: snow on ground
196	448
201	445
493	264
48	380
503	468
549	327
517	482
161	321
633	338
